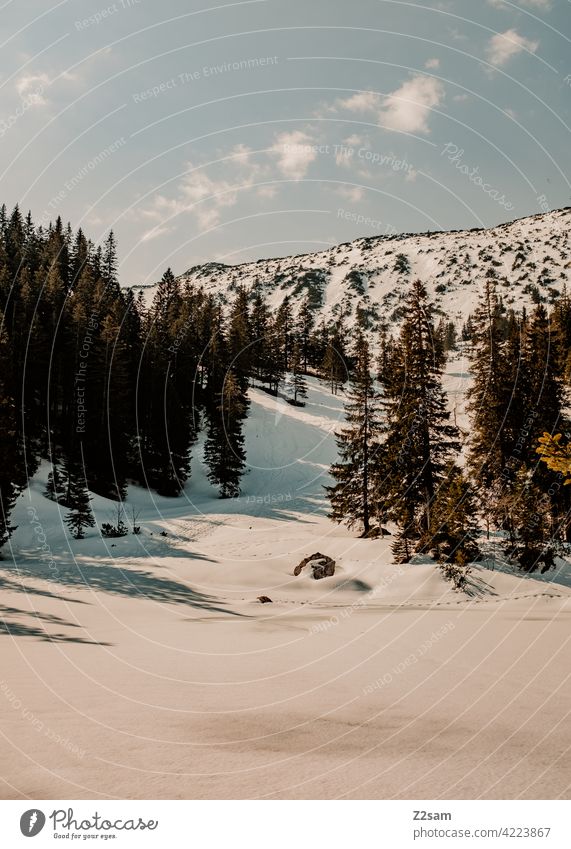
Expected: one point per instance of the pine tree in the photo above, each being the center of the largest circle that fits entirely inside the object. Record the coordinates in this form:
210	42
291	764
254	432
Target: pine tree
167	429
543	363
273	369
490	394
224	452
109	262
404	544
420	442
12	470
78	500
527	518
334	367
351	496
305	325
54	487
453	531
240	338
283	329
298	382
386	351
260	321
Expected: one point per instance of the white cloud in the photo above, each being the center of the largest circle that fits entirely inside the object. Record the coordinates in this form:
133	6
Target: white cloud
503	46
344	159
363	101
295	152
351	193
206	197
406	110
154	233
268	192
354	141
432	63
32	87
530	4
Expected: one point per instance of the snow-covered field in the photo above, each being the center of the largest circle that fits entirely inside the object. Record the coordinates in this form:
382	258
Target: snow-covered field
149	669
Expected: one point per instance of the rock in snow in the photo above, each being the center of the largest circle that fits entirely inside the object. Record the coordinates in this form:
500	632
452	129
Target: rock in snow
322	565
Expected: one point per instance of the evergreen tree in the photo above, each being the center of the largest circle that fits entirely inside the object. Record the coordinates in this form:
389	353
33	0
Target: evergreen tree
166	421
489	397
12	470
298	382
240	338
260	321
527	519
420	442
351	496
283	328
273	368
78	500
334	367
54	487
453	531
109	262
305	325
224	452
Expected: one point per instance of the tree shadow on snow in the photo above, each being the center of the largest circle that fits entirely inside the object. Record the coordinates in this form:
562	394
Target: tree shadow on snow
17	586
11	628
476	587
113	579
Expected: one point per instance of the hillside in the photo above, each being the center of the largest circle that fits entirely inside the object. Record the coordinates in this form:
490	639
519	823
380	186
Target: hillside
530	259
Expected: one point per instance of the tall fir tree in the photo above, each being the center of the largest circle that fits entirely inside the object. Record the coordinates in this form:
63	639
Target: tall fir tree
351	496
240	338
420	441
305	327
78	501
334	367
12	469
224	452
489	397
298	382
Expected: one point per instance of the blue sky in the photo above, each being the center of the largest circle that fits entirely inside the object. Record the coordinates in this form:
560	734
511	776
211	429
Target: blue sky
233	131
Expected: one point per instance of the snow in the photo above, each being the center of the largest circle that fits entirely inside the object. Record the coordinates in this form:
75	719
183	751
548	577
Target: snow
144	667
529	252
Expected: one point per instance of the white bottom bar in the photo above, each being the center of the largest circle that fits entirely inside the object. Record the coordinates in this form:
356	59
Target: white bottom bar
287	824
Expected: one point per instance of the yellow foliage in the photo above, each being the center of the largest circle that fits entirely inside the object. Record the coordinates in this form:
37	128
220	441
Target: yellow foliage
557	457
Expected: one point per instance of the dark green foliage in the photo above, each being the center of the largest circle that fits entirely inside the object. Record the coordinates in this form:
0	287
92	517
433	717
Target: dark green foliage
95	373
516	396
402	264
55	489
166	398
420	441
334	368
305	326
224	452
298	383
490	398
453	530
78	500
12	468
351	496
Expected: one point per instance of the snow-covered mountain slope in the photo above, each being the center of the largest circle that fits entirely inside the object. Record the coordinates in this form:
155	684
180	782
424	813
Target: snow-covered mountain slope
530	257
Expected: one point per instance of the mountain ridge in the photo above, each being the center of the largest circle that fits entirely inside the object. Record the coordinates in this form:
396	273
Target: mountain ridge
529	258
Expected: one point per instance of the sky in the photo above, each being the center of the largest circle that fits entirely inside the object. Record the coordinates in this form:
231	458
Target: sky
235	131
